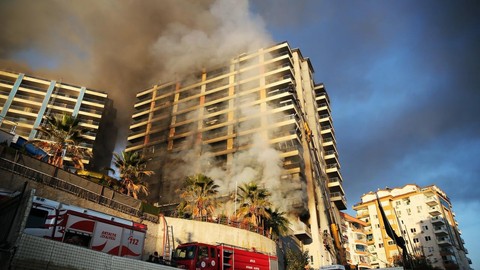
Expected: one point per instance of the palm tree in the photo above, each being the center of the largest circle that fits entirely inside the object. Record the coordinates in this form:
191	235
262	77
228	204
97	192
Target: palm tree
254	202
64	134
199	196
277	223
132	168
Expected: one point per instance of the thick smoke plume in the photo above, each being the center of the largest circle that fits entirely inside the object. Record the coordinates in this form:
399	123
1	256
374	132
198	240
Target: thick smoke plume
124	47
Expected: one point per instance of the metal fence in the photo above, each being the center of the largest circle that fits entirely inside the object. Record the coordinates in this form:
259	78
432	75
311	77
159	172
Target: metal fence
57	183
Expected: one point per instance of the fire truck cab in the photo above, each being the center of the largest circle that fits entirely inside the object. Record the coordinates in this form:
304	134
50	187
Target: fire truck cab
193	256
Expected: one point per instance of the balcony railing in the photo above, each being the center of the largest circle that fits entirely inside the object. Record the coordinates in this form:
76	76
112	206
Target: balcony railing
444	241
438	220
431	201
440	230
434	211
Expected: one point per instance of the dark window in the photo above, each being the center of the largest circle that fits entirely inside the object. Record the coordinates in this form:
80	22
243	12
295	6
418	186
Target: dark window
202	252
77	239
183	253
37	218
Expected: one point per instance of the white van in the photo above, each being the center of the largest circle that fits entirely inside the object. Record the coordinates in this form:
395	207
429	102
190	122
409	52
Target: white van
332	267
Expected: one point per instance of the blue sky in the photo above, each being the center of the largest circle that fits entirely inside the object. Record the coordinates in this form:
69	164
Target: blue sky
403	76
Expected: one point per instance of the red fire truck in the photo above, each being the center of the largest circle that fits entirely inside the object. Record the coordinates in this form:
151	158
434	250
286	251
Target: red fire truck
193	256
85	227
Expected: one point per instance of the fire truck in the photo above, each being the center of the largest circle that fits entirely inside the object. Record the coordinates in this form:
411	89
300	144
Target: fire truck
85	227
194	256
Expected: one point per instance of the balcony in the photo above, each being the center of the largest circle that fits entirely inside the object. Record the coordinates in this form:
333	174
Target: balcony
434	211
333	168
339	199
329	143
331	157
438	220
431	201
335	185
440	231
444	241
325	119
302	232
323	104
326	130
446	251
362	214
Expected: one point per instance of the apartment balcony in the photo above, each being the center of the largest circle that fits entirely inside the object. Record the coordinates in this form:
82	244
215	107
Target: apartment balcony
327	130
446	251
325	119
438	220
323	108
329	144
431	201
331	157
335	185
444	241
440	231
333	170
435	211
339	199
362	213
302	232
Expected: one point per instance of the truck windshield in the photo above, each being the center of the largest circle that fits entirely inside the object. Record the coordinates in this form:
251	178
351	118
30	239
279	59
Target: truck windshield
184	253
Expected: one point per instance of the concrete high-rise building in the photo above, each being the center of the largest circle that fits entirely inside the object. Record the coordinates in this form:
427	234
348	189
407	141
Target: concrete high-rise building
355	242
25	101
261	117
423	217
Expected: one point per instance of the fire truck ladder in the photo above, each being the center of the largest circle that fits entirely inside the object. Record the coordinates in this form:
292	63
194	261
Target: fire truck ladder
227	258
169	244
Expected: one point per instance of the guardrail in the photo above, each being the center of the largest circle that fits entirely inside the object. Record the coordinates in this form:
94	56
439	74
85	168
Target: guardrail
57	183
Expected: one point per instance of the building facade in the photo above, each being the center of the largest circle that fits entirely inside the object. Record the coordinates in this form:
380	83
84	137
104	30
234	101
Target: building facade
260	117
26	100
355	242
423	217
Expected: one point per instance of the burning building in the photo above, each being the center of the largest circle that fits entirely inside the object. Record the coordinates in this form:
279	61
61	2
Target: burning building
259	117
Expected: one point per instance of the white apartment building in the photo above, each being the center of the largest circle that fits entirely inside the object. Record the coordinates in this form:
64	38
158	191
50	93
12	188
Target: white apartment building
25	101
423	216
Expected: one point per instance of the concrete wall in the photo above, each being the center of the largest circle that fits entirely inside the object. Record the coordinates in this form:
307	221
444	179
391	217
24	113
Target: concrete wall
183	230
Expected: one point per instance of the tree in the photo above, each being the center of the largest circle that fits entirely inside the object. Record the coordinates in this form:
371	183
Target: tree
296	259
199	196
132	168
277	223
64	135
417	262
254	202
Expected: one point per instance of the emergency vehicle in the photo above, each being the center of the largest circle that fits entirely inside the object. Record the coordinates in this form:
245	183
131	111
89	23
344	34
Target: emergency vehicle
202	256
85	227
